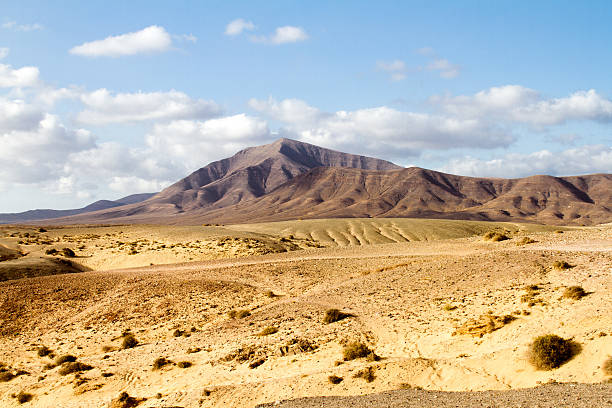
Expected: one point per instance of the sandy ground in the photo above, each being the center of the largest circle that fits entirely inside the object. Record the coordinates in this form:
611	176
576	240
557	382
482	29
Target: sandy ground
414	303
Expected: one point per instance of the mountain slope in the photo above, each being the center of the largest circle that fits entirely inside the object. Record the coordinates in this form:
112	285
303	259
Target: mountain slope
290	180
420	193
43	214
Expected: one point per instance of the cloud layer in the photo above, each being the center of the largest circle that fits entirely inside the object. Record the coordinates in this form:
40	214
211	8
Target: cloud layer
152	39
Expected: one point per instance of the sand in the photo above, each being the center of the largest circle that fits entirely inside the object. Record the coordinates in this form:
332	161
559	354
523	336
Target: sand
411	302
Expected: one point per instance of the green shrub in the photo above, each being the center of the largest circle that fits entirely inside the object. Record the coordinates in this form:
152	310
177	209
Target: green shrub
334	315
550	351
355	350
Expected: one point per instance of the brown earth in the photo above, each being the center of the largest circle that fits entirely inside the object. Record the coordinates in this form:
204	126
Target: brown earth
408	302
288	180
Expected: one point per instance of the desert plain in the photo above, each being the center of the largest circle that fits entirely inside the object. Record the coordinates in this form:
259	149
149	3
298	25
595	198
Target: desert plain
248	314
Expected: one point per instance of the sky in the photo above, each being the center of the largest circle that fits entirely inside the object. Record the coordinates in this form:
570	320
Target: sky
102	99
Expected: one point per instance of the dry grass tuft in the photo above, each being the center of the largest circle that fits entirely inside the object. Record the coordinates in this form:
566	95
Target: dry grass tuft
160	362
525	241
495	236
44	351
562	265
129	341
184	364
484	325
607	366
574	292
67	358
268	331
73	367
334	315
125	401
356	350
367	374
239	314
551	351
23	397
334	379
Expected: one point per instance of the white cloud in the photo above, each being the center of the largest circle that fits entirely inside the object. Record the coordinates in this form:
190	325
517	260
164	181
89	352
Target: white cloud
4	52
17	115
18	78
146	41
381	130
288	34
581	160
12	25
102	107
445	68
38	154
282	35
514	103
236	27
132	184
396	69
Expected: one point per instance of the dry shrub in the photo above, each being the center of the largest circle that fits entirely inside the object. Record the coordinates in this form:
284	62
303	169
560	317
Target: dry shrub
257	363
551	351
334	379
239	314
243	354
334	315
125	401
356	350
68	253
73	367
574	292
67	358
270	294
607	366
184	364
129	341
44	351
6	376
160	362
562	265
24	397
448	307
483	325
268	331
525	241
367	374
495	236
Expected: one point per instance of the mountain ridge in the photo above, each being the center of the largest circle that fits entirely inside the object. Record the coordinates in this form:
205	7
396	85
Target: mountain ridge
288	179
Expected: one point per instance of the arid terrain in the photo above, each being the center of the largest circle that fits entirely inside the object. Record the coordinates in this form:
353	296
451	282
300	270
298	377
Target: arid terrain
235	315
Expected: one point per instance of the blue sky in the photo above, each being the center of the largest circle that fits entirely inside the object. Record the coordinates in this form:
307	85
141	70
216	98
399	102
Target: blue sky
101	99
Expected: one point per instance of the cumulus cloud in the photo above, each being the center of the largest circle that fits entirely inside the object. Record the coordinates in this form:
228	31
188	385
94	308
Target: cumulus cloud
396	69
149	40
18	78
515	103
13	25
381	130
282	35
237	26
17	115
103	107
580	160
3	52
36	154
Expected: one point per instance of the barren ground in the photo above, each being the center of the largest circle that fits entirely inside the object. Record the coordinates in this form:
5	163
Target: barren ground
433	310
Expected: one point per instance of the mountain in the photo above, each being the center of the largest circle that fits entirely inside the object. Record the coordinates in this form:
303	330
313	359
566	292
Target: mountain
288	179
43	214
420	193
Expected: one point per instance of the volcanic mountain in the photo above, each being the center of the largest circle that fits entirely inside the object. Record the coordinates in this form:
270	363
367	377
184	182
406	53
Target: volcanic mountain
288	179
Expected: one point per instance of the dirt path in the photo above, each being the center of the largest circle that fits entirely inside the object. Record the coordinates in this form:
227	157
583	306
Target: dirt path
550	395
